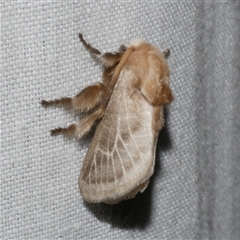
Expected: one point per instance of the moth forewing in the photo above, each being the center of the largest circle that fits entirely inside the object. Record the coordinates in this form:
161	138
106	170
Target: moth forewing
121	157
127	108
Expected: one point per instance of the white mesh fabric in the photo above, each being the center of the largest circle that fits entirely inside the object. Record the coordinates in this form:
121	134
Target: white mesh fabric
194	192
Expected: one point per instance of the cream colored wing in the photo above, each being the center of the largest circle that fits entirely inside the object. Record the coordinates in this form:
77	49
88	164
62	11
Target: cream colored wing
121	157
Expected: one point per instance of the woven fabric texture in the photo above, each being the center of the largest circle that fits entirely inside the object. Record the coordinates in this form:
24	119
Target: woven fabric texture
195	190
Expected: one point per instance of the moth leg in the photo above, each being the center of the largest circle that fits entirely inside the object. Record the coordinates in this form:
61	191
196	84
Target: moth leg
87	99
65	101
68	131
82	127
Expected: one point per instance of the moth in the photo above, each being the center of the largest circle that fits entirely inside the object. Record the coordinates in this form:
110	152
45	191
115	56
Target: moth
127	110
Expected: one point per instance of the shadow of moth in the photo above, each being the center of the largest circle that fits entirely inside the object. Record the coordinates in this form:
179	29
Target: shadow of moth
127	107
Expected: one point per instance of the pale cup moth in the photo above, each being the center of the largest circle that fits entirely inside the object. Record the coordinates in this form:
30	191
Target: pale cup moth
127	107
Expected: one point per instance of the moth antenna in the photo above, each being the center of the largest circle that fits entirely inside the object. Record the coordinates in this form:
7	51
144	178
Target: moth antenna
88	46
166	52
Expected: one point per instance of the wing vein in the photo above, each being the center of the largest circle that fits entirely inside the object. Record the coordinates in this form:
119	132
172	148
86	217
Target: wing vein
111	159
124	173
95	169
130	133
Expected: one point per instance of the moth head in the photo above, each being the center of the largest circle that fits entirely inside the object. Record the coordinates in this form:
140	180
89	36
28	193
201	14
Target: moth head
135	42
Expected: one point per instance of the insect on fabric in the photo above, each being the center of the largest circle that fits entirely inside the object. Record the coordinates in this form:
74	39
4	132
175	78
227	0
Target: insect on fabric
127	107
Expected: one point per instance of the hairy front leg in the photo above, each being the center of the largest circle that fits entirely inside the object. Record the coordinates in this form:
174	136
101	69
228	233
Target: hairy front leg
84	101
